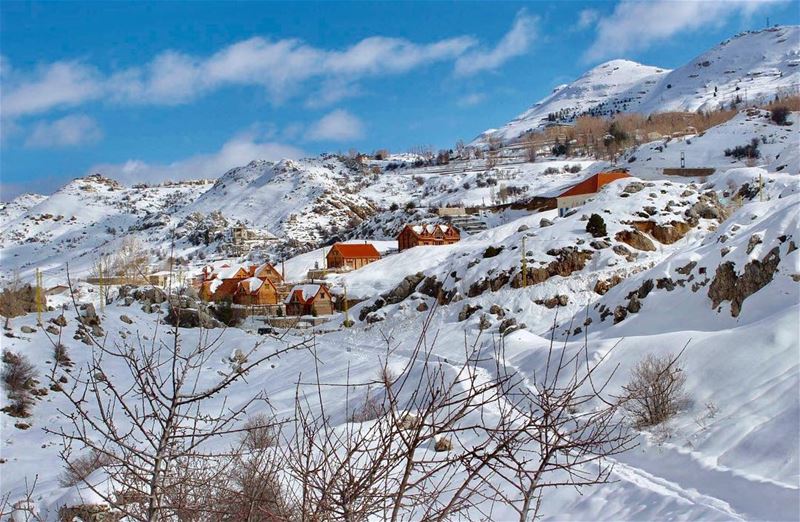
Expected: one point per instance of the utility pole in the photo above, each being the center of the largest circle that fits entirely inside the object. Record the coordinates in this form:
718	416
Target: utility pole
39	297
761	187
524	265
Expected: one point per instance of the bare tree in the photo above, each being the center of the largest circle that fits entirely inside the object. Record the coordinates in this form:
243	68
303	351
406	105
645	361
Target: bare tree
656	390
450	441
531	147
149	411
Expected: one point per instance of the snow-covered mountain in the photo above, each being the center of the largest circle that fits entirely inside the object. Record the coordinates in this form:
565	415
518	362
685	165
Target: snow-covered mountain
752	66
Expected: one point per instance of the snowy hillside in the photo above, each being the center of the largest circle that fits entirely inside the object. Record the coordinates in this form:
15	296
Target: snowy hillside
751	67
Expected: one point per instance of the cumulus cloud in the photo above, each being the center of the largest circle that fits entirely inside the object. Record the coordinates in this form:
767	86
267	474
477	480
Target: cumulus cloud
278	66
636	25
515	42
338	125
76	129
236	152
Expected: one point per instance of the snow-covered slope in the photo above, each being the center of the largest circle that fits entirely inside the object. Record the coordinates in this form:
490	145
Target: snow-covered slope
751	67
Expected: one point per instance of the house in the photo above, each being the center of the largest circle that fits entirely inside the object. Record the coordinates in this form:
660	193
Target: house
351	255
256	291
309	300
225	282
419	235
579	194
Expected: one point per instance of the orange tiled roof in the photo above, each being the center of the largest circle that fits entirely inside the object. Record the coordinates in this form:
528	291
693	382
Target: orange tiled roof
594	183
357	250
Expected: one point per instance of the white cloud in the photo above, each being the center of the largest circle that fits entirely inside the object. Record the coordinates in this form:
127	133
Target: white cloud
636	25
76	129
470	100
281	67
514	43
60	84
236	152
586	18
338	125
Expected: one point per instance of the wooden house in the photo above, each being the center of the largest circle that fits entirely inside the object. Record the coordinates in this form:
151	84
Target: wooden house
420	235
351	255
579	194
309	300
256	291
267	271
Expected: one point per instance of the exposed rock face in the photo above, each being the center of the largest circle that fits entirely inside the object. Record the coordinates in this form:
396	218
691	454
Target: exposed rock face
727	286
666	234
707	207
552	302
754	241
467	311
406	287
622	250
568	260
604	285
635	239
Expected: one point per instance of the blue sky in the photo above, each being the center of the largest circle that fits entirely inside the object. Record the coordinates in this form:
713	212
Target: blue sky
168	90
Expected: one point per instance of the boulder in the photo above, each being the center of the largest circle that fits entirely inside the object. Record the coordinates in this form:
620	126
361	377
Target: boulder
27	329
635	239
125	319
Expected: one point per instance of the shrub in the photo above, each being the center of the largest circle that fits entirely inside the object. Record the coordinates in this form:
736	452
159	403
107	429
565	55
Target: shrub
779	115
656	390
551	170
17	300
81	467
394	206
61	356
749	151
410	205
596	226
259	433
492	251
19	378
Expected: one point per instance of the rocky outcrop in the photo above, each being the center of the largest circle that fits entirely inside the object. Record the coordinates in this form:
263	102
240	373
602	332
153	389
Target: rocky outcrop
728	286
635	239
665	234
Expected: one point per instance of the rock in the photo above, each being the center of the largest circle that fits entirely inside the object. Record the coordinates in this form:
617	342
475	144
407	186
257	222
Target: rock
497	310
635	239
97	331
152	295
467	311
633	187
506	324
89	316
634	305
650	210
523	228
125	319
686	269
128	300
190	318
59	321
666	234
621	250
544	222
665	283
728	286
599	244
89	513
27	329
602	286
422	306
645	289
52	329
552	302
147	308
375	317
404	289
620	313
754	241
707	207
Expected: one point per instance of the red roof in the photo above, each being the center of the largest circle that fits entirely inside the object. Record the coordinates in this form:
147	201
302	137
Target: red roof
356	250
594	183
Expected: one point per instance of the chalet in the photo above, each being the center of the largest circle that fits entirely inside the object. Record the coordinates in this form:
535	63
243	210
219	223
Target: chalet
351	255
226	283
309	300
419	235
256	291
579	194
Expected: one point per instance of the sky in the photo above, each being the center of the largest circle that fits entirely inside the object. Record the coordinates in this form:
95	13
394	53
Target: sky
147	92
